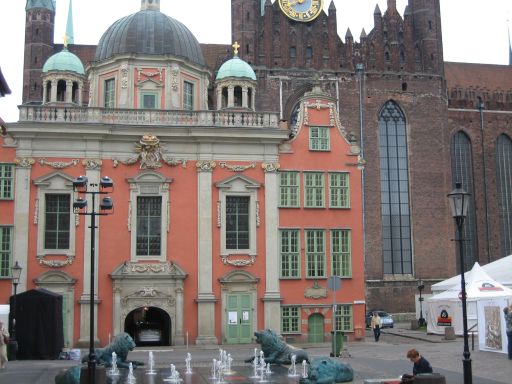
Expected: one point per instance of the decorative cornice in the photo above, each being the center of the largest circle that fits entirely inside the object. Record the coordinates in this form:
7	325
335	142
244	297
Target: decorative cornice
92	164
270	167
239	262
24	162
205	165
236	168
55	263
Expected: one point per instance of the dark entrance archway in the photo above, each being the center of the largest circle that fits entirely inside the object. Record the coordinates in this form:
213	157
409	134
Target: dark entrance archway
149	326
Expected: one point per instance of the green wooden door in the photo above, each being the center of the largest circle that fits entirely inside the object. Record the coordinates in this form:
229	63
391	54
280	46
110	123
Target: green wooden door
316	328
239	318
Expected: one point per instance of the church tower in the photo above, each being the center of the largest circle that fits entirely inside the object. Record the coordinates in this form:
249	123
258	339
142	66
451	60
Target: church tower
428	40
244	25
39	31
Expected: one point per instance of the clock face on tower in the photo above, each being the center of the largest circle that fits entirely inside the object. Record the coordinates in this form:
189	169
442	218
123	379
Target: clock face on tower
301	10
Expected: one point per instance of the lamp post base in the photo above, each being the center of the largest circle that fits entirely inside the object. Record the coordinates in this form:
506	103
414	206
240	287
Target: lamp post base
466	366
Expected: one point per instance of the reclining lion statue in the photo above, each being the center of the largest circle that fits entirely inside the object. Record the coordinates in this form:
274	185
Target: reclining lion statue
324	370
121	345
275	350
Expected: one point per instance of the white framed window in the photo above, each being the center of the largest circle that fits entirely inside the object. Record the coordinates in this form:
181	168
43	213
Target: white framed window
239	215
339	190
109	93
188	96
319	139
6	181
149	216
54	216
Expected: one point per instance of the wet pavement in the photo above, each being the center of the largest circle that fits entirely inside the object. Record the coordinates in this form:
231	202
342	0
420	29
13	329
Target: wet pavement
370	360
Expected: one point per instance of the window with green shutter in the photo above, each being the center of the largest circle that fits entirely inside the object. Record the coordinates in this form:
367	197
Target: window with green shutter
5	250
290	253
315	253
344	318
289	189
6	181
341	252
319	139
290	319
314	190
339	193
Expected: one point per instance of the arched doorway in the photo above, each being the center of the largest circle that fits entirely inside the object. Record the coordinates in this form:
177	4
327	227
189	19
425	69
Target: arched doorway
316	328
149	326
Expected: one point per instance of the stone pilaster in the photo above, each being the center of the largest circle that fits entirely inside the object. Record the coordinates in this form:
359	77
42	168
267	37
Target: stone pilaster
205	297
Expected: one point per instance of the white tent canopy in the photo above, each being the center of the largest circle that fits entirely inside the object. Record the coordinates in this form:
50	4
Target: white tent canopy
499	270
445	308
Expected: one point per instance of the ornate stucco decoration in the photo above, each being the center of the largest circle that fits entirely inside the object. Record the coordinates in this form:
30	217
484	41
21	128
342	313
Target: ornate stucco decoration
205	165
133	268
174	162
270	167
150	155
149	296
92	164
258	220
148	74
59	164
55	263
219	213
124	76
315	292
24	162
36	211
239	261
174	78
236	168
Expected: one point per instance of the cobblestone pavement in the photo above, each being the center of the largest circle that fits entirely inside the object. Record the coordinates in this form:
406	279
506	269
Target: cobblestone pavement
385	359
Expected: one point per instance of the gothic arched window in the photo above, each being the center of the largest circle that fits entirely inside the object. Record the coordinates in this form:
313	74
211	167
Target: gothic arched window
394	180
504	181
462	172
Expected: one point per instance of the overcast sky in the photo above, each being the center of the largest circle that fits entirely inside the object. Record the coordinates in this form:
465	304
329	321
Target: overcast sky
474	31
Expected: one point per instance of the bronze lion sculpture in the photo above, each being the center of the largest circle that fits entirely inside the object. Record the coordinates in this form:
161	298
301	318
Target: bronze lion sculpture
275	350
121	345
324	370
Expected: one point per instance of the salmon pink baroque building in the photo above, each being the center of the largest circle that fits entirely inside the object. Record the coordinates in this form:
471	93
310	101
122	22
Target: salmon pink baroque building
226	220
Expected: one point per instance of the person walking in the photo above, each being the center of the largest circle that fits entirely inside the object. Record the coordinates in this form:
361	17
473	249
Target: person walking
376	324
4	340
508	324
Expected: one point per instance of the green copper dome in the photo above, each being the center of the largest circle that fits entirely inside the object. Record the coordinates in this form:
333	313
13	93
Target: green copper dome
64	61
235	67
48	4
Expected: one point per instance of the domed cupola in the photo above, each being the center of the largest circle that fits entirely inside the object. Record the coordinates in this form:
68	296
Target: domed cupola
64	61
235	83
63	78
149	32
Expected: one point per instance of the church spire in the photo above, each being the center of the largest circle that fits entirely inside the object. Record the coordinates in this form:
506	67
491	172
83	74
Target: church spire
150	5
70	35
509	48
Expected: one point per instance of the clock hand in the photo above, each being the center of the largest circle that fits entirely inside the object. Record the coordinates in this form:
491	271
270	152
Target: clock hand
292	3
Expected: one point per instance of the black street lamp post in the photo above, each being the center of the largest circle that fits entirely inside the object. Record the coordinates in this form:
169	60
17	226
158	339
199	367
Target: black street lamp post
13	343
421	287
459	201
82	185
